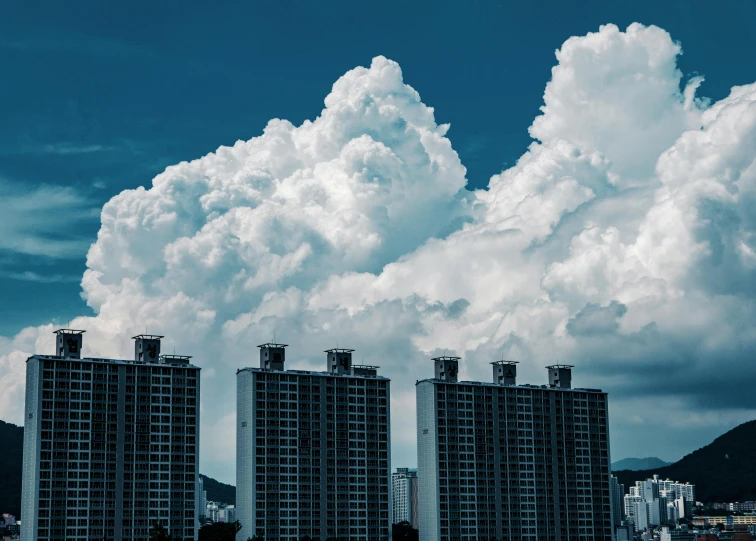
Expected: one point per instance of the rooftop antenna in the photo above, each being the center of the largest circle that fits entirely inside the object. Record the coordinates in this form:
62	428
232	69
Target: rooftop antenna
274	336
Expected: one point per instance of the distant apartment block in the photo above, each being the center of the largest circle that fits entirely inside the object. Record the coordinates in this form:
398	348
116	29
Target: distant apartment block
313	450
201	501
617	491
505	461
404	500
741	507
655	502
110	445
220	512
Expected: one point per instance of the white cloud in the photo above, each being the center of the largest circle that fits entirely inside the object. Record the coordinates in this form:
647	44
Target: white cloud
622	240
32	220
31	276
619	93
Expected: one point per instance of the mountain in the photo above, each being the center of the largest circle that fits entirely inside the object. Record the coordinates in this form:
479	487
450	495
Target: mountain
722	471
636	464
217	491
11	463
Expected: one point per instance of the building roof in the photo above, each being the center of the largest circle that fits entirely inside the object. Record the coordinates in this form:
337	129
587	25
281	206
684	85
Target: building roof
119	361
310	373
498	385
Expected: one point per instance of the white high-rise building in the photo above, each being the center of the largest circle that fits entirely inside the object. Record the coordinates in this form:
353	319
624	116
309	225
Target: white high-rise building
227	513
498	460
110	445
313	450
666	501
404	499
200	501
641	515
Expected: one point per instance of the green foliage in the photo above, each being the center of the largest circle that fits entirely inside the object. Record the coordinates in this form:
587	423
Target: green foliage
217	491
404	531
220	531
256	537
159	533
722	471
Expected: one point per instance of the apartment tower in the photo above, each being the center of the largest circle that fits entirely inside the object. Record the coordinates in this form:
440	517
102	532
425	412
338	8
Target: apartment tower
404	496
312	450
506	461
110	445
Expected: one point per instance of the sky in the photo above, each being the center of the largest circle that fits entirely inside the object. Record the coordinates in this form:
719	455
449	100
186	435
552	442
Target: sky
404	179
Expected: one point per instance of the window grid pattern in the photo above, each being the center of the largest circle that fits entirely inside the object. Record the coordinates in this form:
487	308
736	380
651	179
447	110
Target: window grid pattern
321	455
117	447
525	463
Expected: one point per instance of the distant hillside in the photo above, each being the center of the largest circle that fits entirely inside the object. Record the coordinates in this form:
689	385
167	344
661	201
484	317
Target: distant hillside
723	471
636	464
217	491
11	461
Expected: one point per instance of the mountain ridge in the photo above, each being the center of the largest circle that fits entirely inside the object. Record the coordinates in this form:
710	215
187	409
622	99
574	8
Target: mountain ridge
722	470
11	466
637	464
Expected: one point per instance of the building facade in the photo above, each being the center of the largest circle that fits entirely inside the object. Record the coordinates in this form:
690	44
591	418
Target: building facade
404	496
502	461
654	502
313	450
617	491
110	445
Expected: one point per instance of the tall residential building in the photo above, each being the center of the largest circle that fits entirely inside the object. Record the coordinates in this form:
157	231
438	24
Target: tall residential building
498	460
404	498
312	450
200	501
617	491
665	502
110	445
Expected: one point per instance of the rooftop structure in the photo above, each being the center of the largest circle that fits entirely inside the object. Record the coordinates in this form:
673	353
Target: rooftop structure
313	451
501	460
110	445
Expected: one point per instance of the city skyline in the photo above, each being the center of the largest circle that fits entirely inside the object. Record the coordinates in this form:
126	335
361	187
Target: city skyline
591	202
110	449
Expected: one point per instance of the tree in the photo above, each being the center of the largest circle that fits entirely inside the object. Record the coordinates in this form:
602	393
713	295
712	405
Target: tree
404	531
159	533
220	531
256	537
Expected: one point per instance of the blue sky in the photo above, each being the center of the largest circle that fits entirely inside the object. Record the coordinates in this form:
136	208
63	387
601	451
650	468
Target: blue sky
620	237
100	97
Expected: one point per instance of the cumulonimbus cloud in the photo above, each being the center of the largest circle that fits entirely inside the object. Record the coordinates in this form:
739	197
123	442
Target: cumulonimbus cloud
622	240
